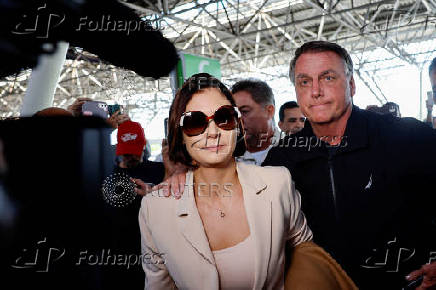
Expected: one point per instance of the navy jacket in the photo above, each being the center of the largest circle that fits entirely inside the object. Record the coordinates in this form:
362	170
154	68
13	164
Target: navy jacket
125	234
370	201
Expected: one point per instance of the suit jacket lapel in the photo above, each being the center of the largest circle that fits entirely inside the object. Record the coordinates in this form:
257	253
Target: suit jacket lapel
190	223
258	209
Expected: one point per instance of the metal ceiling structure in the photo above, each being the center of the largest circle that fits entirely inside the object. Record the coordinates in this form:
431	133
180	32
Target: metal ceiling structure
250	36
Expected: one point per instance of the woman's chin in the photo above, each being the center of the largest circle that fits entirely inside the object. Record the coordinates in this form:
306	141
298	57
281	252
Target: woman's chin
217	161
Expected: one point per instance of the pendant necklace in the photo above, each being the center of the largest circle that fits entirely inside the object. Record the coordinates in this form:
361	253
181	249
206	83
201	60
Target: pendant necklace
222	213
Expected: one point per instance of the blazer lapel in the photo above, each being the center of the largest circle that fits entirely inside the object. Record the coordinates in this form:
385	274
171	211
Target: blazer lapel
258	209
190	223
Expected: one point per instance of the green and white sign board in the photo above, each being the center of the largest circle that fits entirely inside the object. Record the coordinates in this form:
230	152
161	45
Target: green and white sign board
190	64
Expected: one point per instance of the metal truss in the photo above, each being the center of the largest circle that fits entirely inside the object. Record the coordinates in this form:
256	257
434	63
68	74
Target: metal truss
95	80
255	36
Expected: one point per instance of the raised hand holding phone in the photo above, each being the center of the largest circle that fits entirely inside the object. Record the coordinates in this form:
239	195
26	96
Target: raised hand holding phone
112	109
76	107
95	108
117	118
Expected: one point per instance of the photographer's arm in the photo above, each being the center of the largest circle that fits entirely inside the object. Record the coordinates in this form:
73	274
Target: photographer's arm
117	118
76	107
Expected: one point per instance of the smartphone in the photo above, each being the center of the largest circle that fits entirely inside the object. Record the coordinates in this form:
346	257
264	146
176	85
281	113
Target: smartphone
95	108
113	108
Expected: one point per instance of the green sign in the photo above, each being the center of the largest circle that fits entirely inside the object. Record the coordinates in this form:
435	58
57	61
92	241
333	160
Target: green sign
190	64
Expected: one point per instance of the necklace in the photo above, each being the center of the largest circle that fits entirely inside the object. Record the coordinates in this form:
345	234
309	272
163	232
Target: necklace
222	213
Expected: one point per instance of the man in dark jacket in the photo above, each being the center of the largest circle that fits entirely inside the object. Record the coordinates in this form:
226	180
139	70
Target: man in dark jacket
126	236
366	180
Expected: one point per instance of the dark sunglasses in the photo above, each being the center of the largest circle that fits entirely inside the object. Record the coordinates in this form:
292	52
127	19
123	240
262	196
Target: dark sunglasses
293	120
195	122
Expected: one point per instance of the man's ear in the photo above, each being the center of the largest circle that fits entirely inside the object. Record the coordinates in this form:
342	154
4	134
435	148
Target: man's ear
280	125
352	86
270	110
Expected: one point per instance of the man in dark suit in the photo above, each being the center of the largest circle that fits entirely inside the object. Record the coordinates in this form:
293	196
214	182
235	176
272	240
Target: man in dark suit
366	179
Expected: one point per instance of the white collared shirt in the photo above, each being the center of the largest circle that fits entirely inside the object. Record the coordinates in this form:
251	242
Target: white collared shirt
258	157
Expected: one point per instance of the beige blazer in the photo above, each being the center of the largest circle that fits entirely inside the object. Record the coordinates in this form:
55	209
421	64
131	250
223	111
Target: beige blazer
172	230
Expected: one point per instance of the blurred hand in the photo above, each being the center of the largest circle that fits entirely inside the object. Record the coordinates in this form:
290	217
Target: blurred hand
117	118
428	271
429	104
170	167
76	107
174	185
142	187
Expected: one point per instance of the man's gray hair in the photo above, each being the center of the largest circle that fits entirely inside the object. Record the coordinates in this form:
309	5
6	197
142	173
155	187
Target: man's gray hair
321	46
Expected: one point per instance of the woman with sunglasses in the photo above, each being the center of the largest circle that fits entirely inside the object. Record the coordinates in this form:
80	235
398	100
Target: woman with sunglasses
229	229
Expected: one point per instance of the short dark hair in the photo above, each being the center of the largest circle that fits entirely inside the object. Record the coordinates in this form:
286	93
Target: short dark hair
432	66
287	105
196	83
321	46
259	90
373	108
391	108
